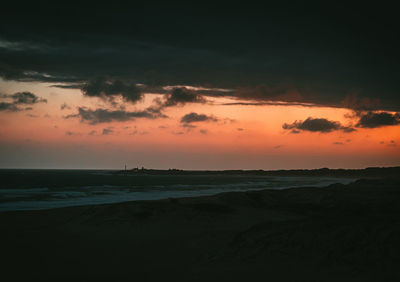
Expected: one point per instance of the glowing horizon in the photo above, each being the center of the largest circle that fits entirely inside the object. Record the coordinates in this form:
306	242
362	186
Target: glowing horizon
237	136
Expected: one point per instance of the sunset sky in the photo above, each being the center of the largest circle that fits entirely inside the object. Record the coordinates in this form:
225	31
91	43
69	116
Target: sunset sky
198	87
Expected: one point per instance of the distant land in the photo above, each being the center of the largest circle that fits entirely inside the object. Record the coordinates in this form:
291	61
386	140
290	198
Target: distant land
366	172
58	178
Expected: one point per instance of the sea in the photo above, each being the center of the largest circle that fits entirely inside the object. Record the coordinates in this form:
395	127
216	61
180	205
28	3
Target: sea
23	189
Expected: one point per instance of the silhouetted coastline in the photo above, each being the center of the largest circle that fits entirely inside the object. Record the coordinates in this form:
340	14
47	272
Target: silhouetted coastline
364	172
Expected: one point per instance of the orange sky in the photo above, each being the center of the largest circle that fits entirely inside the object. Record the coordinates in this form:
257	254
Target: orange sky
249	137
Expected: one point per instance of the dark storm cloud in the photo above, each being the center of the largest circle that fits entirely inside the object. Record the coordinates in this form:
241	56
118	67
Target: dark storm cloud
359	104
317	125
8	107
23	98
104	115
104	88
26	98
194	117
264	92
20	98
300	52
271	103
68	86
181	96
378	119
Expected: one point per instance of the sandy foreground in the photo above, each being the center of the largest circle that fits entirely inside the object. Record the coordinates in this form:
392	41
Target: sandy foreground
338	233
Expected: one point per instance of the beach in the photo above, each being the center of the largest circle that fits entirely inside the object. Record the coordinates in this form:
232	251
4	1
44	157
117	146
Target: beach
337	233
47	189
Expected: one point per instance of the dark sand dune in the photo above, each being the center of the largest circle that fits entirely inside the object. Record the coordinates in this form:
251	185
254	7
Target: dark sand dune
338	233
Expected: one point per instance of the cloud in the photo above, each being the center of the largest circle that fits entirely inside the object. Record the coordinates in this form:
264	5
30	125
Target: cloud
264	92
181	96
71	133
188	126
26	98
194	117
68	86
19	98
65	106
356	103
377	119
4	106
316	125
311	58
108	131
109	89
32	115
104	115
134	132
348	129
178	96
270	103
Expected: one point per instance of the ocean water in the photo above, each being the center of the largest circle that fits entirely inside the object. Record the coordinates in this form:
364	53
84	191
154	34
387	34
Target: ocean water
41	189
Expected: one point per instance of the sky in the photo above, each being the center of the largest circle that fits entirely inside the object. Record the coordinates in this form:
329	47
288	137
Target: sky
199	86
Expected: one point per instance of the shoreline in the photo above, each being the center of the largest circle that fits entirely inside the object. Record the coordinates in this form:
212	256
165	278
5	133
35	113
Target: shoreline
148	193
347	232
